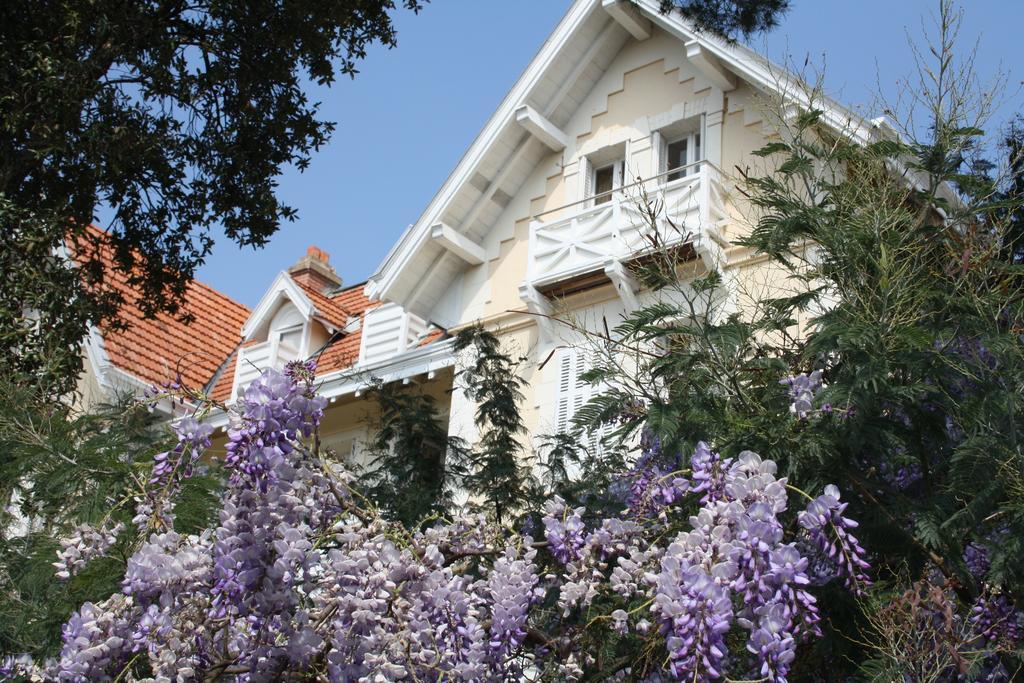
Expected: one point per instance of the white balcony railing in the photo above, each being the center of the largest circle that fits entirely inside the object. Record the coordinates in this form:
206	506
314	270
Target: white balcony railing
252	360
582	237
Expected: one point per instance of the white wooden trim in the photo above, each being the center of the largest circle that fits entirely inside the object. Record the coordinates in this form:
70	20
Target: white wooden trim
283	287
541	128
624	283
539	305
499	179
455	242
710	67
352	381
629	18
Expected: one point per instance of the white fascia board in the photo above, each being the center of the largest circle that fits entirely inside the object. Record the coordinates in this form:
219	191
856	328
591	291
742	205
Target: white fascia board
457	243
110	377
414	362
541	128
283	286
381	283
96	352
419	361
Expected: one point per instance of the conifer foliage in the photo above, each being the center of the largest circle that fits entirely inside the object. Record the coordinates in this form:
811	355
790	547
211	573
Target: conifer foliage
491	379
415	467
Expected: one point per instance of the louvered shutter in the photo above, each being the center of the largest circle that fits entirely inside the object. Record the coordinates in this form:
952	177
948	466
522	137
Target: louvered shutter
566	389
587	180
659	152
573	393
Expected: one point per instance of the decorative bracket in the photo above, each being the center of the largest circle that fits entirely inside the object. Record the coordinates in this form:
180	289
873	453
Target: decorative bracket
457	243
541	128
710	67
540	306
624	283
629	17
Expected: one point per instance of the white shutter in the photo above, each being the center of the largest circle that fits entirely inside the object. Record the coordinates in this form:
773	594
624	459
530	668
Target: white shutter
566	389
618	172
586	179
573	393
659	152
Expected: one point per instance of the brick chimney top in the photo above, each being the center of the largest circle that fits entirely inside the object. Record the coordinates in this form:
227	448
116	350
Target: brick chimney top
314	270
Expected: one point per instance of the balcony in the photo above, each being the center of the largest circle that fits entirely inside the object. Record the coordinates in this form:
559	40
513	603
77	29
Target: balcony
581	242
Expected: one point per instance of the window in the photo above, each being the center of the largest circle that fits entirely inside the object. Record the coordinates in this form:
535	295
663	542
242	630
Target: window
606	179
286	335
681	154
602	179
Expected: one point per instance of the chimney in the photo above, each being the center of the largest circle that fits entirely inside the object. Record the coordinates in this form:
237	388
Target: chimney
314	270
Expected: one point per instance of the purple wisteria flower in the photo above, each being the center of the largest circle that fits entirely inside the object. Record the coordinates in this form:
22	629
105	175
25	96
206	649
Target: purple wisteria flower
802	390
830	531
563	529
709	473
84	544
296	578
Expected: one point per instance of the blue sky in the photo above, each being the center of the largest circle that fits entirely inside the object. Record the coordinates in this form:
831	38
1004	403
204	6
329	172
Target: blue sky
406	119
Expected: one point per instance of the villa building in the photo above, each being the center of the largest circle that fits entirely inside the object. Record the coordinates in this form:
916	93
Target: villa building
538	220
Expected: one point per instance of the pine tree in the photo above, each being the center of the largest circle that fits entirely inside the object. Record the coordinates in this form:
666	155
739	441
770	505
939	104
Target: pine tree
414	466
498	474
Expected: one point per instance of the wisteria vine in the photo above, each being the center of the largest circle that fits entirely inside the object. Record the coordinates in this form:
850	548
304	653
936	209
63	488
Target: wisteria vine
298	576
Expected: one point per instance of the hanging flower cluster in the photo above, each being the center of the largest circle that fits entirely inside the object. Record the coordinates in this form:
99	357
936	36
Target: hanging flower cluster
729	570
296	576
802	389
85	543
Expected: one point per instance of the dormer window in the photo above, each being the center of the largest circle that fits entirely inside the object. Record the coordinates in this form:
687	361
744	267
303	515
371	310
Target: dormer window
287	336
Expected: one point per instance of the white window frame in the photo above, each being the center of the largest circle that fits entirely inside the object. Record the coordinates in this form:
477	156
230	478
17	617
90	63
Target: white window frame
589	171
695	141
275	334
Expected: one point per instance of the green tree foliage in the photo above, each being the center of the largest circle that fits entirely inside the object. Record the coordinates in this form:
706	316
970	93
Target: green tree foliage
178	117
903	291
730	18
59	470
497	472
415	466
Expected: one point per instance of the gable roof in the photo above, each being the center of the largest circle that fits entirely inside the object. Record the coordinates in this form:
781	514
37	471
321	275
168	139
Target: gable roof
342	351
159	349
204	352
419	268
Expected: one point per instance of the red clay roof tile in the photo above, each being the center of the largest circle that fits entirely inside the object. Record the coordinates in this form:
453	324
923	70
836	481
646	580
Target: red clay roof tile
159	349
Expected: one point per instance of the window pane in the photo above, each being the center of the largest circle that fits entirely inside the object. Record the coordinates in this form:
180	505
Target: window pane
676	158
603	184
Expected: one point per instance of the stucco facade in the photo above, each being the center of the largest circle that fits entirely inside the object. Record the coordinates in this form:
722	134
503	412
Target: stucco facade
649	80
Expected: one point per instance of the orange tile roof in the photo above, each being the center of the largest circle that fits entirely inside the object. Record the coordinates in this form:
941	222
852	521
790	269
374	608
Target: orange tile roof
158	349
337	308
